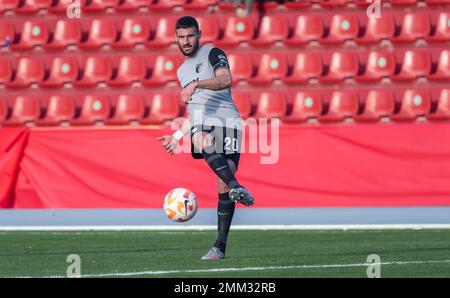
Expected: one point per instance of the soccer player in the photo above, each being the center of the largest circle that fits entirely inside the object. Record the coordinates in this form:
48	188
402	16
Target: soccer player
214	123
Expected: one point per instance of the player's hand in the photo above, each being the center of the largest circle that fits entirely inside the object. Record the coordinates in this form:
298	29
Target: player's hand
187	92
169	143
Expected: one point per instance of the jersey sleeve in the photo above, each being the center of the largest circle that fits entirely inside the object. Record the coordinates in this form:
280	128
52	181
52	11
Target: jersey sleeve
218	59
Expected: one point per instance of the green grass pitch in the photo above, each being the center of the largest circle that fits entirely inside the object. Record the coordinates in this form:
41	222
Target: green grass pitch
260	253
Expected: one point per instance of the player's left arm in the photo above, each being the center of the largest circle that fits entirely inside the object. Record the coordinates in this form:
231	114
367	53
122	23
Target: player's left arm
222	79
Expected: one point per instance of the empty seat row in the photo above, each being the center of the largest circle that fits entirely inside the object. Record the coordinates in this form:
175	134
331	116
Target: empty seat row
260	69
342	104
158	108
60	6
273	28
150	71
33	6
63	108
377	65
339	28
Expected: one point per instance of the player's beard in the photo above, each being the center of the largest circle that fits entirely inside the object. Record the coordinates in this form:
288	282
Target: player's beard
193	52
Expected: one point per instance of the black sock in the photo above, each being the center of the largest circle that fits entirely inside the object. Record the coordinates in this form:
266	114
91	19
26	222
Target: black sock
218	163
225	212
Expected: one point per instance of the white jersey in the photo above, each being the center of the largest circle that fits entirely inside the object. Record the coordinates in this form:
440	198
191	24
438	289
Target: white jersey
208	107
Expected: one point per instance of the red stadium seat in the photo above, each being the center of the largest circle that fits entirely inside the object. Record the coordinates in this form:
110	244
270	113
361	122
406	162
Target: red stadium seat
307	105
209	27
257	5
95	109
67	32
164	70
131	5
273	28
61	6
96	69
443	67
270	67
403	2
342	65
163	107
199	4
134	31
6	32
33	6
131	69
416	63
307	28
414	25
237	30
166	4
343	104
103	31
271	104
363	3
297	4
129	107
241	66
243	103
437	2
164	35
307	65
60	109
378	104
414	103
379	64
443	108
442	32
29	70
4	110
6	5
343	27
100	5
378	29
63	70
6	71
333	3
26	109
34	33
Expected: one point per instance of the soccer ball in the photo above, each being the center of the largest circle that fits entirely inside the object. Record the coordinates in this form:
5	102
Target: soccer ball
180	204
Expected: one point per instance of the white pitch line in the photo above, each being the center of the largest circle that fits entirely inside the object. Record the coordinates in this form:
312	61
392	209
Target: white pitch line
177	227
124	274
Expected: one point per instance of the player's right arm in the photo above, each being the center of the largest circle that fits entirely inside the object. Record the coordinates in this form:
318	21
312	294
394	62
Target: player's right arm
170	142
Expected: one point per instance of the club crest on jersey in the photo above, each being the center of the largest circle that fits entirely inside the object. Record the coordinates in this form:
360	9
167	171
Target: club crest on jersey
198	68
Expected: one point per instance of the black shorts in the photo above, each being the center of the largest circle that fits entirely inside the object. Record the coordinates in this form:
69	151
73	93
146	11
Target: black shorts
227	141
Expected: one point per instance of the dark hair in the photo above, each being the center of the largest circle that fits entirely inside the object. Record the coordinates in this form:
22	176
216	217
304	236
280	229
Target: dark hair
187	22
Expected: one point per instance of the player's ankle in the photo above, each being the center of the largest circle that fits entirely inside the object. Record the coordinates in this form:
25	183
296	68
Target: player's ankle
220	245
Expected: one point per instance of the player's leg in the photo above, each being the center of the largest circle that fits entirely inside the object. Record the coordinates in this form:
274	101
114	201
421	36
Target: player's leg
225	212
204	143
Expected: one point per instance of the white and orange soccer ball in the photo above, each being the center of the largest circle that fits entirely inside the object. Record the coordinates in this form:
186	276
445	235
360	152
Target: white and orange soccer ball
180	204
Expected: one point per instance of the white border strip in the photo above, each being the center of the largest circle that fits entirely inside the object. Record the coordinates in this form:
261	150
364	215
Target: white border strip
234	269
237	227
